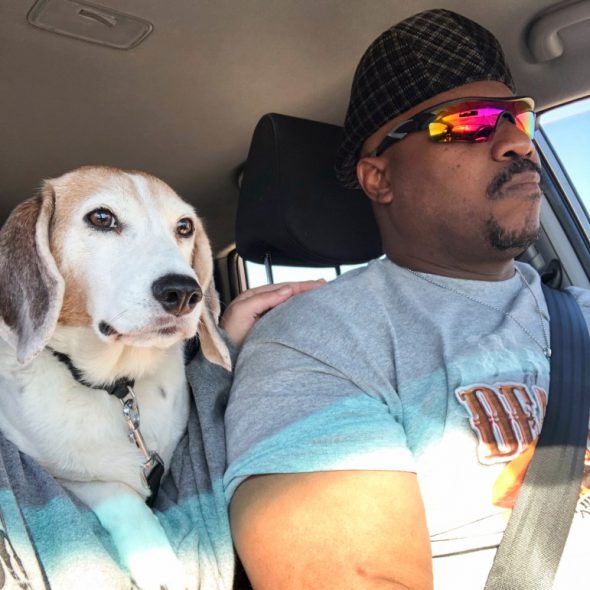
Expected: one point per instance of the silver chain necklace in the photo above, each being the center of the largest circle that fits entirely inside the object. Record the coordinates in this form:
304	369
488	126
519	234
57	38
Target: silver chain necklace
545	348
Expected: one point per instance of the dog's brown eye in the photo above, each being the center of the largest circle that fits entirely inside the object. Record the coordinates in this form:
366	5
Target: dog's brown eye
185	227
102	219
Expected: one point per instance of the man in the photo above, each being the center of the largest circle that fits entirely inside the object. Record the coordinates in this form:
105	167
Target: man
378	428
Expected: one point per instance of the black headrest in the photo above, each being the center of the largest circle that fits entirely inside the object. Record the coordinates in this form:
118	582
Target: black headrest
291	205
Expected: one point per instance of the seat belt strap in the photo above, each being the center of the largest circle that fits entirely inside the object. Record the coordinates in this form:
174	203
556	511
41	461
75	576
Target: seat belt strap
529	554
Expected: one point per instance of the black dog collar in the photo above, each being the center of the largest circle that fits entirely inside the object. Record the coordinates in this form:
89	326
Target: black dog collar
118	388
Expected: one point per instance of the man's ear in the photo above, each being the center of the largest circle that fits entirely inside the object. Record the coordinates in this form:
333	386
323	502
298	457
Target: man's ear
371	174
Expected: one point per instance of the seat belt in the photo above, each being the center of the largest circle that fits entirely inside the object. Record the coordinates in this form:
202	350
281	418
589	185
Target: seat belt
535	536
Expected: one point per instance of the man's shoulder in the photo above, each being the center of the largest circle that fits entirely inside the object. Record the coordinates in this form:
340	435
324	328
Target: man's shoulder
348	294
582	296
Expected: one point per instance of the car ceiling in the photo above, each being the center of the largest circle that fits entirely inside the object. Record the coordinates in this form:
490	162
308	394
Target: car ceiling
182	105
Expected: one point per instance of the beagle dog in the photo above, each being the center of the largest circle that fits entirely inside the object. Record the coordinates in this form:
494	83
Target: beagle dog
104	275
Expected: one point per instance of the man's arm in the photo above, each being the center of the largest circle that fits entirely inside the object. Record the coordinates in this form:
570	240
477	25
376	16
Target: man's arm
333	530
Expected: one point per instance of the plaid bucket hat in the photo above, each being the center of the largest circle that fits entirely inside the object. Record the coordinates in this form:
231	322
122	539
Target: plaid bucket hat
426	54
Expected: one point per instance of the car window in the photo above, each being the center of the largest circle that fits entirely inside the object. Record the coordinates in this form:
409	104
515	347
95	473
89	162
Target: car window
564	128
256	274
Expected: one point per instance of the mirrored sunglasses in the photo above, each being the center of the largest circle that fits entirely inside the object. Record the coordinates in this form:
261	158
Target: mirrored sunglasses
472	119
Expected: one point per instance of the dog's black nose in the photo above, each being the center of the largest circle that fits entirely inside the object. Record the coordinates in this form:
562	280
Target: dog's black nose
178	294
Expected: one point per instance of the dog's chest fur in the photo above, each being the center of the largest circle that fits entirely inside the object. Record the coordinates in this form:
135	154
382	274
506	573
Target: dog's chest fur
80	434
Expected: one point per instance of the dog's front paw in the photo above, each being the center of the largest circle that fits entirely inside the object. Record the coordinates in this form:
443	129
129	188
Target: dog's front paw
140	540
156	570
144	548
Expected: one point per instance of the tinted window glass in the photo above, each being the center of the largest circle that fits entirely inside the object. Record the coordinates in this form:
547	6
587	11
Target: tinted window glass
567	129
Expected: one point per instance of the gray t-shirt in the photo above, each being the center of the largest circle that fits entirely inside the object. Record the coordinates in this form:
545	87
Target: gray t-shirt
385	370
49	539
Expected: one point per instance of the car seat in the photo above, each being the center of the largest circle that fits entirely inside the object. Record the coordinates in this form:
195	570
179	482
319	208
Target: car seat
291	209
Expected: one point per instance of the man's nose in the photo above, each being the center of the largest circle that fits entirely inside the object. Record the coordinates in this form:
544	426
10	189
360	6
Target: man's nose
510	142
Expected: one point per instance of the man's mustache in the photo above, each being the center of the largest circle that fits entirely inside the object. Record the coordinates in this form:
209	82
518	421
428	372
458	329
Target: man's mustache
515	167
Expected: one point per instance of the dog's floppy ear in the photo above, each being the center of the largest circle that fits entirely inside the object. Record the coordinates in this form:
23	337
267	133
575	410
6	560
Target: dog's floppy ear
212	344
31	287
